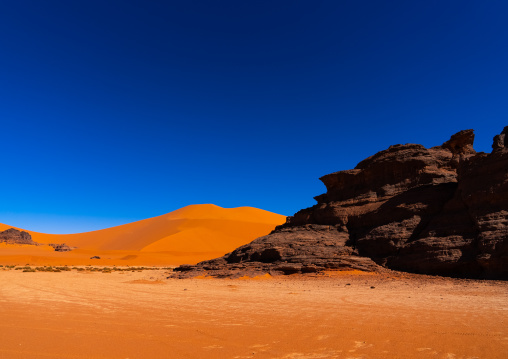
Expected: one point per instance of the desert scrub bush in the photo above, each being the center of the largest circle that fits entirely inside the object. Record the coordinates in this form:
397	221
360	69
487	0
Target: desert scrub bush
64	268
49	269
137	269
29	270
25	268
22	268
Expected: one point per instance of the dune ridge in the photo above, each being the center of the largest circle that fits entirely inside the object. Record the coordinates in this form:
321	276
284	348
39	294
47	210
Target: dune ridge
187	235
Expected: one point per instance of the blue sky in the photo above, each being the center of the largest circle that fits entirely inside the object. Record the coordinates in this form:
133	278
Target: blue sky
114	111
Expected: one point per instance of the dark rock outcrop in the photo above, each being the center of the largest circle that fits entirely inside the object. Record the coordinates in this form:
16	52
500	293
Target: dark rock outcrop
301	249
14	236
442	211
61	247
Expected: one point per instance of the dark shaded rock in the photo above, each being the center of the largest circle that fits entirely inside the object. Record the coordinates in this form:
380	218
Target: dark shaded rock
61	247
95	257
184	268
305	249
460	143
501	140
442	210
14	236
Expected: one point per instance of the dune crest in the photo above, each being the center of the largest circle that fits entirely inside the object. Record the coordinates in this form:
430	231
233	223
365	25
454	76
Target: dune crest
187	235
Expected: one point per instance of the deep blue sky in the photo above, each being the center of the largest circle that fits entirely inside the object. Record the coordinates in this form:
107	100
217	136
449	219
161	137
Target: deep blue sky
114	111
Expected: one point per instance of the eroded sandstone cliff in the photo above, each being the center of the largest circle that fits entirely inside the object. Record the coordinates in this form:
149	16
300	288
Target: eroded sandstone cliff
441	210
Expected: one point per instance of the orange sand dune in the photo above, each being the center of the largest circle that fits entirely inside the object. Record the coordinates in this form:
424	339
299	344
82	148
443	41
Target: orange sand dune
187	235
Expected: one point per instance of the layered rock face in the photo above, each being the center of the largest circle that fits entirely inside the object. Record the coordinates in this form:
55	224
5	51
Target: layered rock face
442	210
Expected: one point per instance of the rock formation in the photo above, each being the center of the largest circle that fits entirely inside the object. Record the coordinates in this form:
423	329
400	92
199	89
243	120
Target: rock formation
442	211
60	247
14	236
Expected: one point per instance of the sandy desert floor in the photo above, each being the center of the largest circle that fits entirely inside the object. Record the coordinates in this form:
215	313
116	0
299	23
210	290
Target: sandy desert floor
142	315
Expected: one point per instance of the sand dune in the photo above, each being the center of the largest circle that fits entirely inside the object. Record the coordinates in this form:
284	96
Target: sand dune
187	235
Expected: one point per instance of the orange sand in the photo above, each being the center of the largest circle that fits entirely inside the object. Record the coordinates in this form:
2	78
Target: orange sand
188	235
75	315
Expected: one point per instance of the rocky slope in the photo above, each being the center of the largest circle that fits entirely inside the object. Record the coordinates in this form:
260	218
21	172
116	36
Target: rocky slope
440	210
